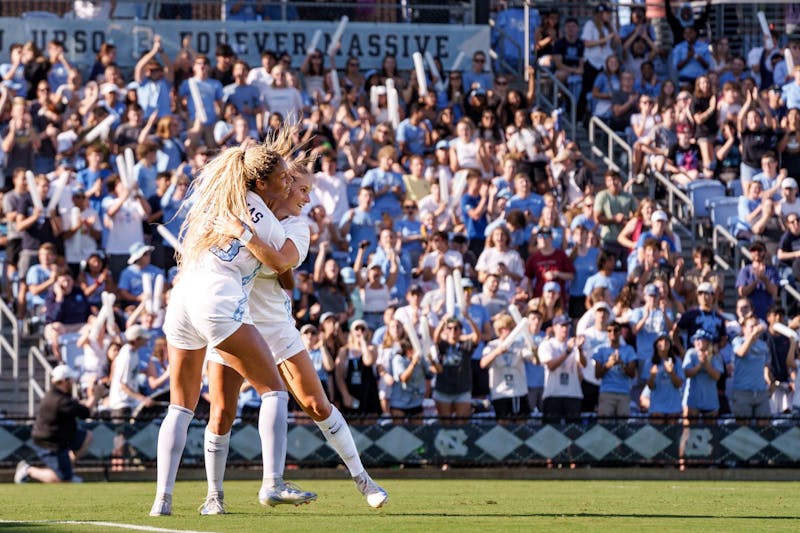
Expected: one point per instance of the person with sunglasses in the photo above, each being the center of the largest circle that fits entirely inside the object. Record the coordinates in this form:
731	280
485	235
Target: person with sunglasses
616	365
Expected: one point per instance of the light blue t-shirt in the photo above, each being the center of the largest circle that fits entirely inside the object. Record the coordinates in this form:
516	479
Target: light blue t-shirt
153	95
131	278
702	389
409	394
533	204
665	397
585	267
748	371
377	179
210	92
791	95
693	68
413	136
655	325
615	380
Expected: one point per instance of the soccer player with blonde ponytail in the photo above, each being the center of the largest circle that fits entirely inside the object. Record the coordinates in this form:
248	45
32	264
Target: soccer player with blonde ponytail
209	303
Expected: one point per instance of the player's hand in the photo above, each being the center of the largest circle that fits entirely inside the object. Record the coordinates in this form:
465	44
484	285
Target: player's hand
228	225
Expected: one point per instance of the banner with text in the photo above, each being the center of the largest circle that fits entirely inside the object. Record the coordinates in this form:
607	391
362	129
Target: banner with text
367	41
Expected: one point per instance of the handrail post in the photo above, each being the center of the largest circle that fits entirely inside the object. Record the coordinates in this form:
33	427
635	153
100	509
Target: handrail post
526	32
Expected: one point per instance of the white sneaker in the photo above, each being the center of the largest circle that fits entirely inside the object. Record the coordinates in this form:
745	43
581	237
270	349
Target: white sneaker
21	474
285	493
162	506
213	505
376	496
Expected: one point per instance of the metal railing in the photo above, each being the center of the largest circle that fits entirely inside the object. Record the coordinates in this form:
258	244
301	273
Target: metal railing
460	12
551	101
614	142
497	59
719	236
35	389
9	348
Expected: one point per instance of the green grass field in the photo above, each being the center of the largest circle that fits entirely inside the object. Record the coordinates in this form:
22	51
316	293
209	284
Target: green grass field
421	505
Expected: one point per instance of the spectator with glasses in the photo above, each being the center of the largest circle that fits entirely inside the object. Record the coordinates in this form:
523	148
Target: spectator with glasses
758	281
477	77
616	366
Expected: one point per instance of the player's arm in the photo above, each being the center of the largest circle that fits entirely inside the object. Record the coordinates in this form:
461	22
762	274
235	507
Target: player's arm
278	260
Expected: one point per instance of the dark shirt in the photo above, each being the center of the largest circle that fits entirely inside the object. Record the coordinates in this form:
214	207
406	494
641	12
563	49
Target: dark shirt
571	53
778	348
789	243
710	321
41	231
456	374
73	310
224	77
755	144
56	424
620	122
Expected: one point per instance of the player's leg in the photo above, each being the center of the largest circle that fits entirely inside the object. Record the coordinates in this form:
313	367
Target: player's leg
301	378
185	371
248	353
224	384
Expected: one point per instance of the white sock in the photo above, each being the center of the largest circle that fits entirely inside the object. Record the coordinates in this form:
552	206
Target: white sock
216	455
171	441
272	427
337	433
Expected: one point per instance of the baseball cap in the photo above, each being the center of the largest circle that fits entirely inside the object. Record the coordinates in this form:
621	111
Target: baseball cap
657	215
602	305
552	286
702	334
652	290
505	193
357	323
683	128
62	372
602	8
416	288
307	328
705	287
560	320
136	332
466	283
348	275
325	316
442	145
789	183
137	250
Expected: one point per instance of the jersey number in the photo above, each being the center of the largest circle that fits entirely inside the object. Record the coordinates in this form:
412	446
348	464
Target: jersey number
229	253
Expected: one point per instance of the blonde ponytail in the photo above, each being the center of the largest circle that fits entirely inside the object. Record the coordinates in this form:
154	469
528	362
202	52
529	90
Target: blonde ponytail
221	189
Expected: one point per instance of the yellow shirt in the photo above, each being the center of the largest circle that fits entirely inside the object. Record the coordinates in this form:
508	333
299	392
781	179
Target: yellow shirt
416	188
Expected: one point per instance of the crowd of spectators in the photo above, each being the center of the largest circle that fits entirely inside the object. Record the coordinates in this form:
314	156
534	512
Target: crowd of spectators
474	191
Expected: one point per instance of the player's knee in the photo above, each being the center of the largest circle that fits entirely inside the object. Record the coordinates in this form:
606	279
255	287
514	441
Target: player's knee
220	419
318	408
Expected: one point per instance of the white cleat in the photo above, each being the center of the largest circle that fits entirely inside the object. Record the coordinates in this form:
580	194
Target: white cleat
376	496
285	494
21	474
214	505
162	506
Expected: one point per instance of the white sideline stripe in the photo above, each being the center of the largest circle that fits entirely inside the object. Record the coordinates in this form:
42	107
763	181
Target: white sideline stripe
102	524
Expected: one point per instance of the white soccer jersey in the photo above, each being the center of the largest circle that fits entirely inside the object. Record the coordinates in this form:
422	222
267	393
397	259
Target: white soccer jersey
236	261
210	301
270	305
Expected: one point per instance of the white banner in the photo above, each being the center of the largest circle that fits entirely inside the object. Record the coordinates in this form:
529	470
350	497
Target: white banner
368	41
